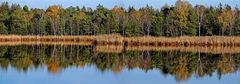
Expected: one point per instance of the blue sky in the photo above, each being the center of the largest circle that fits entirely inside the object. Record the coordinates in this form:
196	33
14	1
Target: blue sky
111	3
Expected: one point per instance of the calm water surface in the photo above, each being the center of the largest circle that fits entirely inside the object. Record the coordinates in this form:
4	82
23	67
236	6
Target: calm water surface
44	64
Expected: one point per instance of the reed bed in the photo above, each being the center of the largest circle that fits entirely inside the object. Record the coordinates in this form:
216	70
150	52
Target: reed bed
117	43
15	38
10	43
115	39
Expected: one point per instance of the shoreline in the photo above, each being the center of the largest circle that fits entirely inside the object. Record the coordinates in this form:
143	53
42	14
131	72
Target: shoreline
117	43
115	39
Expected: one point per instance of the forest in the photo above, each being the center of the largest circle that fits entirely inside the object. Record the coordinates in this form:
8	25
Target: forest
181	19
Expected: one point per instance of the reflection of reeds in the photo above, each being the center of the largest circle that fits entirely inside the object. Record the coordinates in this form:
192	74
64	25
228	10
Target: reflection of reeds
109	49
202	49
185	41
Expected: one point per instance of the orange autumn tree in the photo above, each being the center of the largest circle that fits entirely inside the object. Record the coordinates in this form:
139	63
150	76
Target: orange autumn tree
53	13
82	15
52	67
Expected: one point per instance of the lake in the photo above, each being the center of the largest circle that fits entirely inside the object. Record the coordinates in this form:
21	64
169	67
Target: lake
71	64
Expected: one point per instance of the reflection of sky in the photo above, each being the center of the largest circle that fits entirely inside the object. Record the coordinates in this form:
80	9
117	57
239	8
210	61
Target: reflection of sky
90	75
111	3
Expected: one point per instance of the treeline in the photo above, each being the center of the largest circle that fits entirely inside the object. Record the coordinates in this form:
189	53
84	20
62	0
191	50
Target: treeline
181	65
178	20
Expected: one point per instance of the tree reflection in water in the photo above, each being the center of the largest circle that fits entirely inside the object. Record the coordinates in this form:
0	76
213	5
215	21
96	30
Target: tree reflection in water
182	65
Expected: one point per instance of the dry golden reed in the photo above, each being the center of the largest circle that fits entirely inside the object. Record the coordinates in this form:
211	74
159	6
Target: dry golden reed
116	43
115	39
185	41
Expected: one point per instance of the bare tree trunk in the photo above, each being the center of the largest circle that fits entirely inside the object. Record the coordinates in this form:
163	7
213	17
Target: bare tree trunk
222	32
148	30
181	31
53	52
230	31
199	29
71	28
123	24
199	66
